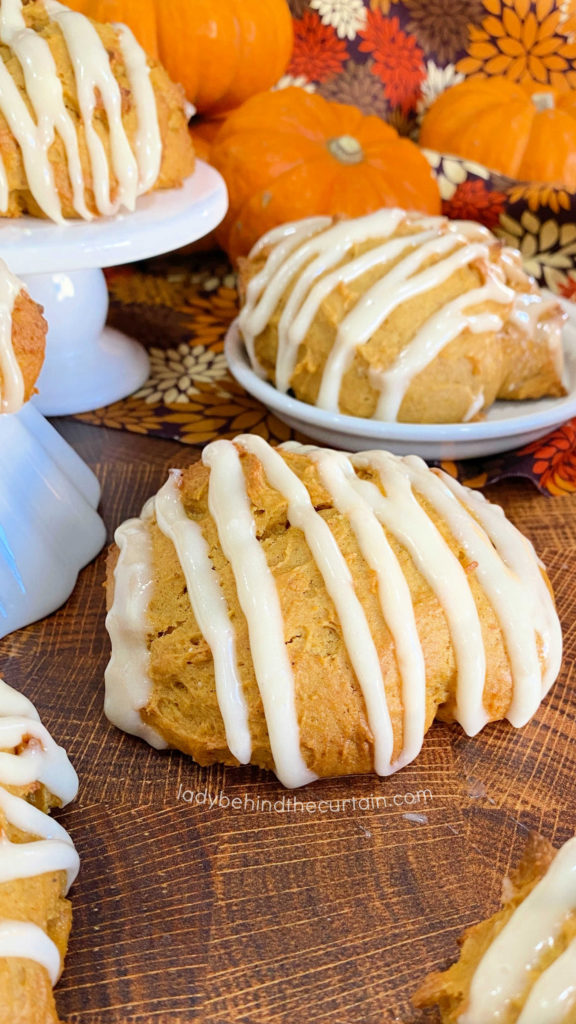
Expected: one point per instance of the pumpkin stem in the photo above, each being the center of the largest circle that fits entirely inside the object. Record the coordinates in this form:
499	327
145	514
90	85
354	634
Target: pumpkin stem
543	101
346	149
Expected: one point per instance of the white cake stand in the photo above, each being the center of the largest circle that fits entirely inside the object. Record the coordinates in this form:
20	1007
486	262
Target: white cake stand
49	527
88	365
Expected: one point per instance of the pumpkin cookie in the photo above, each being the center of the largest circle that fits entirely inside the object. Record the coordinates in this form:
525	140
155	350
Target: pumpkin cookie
311	612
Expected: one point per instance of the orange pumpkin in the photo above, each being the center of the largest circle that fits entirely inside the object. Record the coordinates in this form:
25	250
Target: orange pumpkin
528	136
291	154
222	52
140	15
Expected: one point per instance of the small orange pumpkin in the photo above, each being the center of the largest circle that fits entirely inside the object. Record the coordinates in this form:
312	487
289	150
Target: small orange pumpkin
497	123
291	154
221	52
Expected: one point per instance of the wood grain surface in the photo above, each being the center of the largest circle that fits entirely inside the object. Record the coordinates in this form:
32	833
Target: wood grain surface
205	897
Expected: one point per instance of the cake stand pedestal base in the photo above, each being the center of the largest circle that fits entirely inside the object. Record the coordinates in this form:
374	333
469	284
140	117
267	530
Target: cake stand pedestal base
49	527
89	365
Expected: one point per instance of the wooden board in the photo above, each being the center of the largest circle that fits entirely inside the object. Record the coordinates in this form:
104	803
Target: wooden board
190	907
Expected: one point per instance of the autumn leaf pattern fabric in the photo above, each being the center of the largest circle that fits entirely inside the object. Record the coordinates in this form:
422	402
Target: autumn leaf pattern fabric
393	59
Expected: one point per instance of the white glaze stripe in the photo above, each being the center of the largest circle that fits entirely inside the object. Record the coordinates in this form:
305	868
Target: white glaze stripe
295	324
506	591
340	586
258	597
211	613
29	942
127	677
402	515
15	704
403	282
502	975
443	327
148	137
327	250
518	554
347	492
27	860
295	229
134	172
42	761
12	389
285	240
554	994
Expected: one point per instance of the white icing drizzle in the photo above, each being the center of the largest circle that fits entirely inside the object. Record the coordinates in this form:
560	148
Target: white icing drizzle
541	320
476	405
351	497
518	555
210	610
295	322
53	852
403	516
258	597
309	260
503	561
14	703
127	677
340	586
40	760
403	282
554	994
148	138
502	975
507	592
443	327
134	172
12	388
22	939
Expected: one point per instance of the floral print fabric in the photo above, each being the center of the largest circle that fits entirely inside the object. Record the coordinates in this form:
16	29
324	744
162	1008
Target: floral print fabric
393	59
181	308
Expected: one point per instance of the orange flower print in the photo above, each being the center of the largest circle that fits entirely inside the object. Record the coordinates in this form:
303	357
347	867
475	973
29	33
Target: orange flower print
318	52
398	60
473	201
567	288
528	43
555	460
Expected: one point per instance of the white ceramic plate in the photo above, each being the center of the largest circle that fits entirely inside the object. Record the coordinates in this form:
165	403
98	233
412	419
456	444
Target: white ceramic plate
507	425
